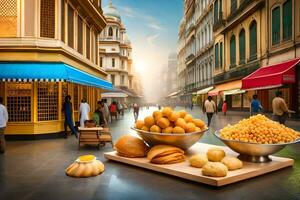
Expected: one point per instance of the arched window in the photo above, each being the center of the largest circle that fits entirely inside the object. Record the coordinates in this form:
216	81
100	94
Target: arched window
242	48
233	6
217	56
221	54
110	31
287	20
253	40
276	25
232	51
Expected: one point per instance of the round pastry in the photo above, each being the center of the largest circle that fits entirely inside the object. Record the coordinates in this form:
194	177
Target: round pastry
178	129
182	113
197	129
181	123
168	130
198	160
190	127
165	154
166	111
214	169
163	122
130	146
215	154
232	163
149	121
145	128
85	166
199	123
155	129
139	124
188	118
174	116
157	115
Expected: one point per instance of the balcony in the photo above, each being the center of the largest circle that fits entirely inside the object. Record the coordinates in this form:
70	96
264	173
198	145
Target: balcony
190	58
236	11
219	21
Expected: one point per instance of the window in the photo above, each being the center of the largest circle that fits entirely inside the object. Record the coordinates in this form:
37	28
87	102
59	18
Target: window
276	25
112	78
242	49
123	66
216	8
110	31
88	42
117	33
122	80
232	51
19	102
8	18
233	5
287	20
47	18
101	61
221	54
47	101
80	35
253	40
217	56
84	92
70	26
62	24
220	10
113	62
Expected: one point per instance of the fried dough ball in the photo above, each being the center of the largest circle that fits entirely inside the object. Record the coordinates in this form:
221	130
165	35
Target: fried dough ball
174	116
157	115
215	154
190	127
182	113
232	163
155	129
178	129
197	129
166	111
149	121
139	124
198	160
145	128
214	169
199	123
188	118
181	123
163	122
168	130
259	129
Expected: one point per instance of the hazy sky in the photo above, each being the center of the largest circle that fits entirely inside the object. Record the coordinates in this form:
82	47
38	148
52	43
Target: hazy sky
152	27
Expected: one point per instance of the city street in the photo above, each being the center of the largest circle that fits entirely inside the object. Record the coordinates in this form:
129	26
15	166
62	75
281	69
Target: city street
35	170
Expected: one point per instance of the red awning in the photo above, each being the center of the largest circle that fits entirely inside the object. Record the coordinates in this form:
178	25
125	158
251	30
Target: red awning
271	76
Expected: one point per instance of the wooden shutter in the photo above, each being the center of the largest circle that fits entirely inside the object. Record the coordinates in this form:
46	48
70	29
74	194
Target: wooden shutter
232	52
253	41
287	20
221	54
217	56
70	26
242	46
47	18
276	25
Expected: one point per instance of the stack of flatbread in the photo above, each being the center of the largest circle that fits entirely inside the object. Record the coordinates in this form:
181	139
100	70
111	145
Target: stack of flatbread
165	154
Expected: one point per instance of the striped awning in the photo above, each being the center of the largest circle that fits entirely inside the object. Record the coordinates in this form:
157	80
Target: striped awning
47	72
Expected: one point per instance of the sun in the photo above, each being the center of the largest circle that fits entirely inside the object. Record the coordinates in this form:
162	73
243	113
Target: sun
140	66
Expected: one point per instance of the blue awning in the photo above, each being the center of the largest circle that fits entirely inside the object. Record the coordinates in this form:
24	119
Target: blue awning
44	71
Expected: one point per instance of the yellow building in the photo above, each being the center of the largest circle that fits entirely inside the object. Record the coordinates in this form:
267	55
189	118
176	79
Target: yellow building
239	47
48	49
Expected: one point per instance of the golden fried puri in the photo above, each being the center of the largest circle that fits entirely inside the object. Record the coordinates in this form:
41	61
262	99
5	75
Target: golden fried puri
163	122
166	111
199	123
149	121
168	130
190	127
232	163
139	124
198	160
214	169
188	118
130	146
181	123
155	129
174	116
215	154
178	129
182	113
165	154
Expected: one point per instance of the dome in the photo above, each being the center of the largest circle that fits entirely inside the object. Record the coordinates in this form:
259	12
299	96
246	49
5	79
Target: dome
126	40
111	11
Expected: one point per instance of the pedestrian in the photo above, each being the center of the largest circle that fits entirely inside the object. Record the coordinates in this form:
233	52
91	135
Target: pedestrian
209	108
136	110
120	108
98	115
280	109
255	106
84	112
106	111
68	111
224	107
113	110
3	121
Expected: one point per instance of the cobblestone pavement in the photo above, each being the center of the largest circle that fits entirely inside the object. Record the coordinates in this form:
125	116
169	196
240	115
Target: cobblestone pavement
35	170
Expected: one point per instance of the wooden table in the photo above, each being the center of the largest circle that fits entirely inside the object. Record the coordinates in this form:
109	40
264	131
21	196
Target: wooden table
90	136
90	128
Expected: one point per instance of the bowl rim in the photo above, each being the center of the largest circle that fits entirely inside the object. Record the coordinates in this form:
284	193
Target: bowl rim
170	134
217	134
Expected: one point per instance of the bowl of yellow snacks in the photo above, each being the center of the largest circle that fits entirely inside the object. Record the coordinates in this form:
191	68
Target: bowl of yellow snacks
175	128
257	137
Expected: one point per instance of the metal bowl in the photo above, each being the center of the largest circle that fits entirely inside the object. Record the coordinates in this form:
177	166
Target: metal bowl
183	141
253	152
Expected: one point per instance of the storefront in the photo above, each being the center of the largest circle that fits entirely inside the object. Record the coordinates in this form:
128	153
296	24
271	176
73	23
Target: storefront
267	80
34	93
202	95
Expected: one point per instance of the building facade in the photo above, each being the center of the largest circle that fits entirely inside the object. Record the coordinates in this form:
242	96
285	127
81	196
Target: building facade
172	74
181	67
116	52
47	49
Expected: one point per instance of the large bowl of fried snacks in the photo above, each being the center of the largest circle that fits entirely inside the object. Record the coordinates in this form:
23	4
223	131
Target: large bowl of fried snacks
257	137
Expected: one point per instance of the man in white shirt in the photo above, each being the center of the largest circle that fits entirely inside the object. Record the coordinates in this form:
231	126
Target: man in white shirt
3	121
84	112
209	108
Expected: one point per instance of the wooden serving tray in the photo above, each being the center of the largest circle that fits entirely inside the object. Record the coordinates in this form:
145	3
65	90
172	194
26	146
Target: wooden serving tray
184	170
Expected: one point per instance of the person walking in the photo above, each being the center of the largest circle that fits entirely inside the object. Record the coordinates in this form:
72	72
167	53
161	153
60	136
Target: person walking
105	111
209	108
136	110
3	121
113	110
255	106
98	115
280	109
68	111
84	112
224	107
